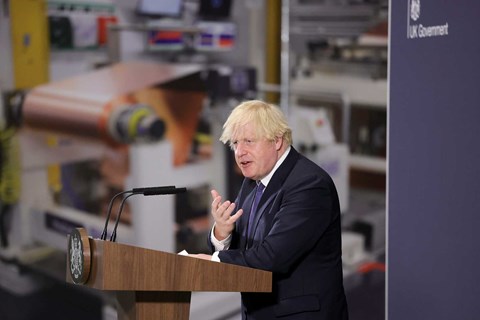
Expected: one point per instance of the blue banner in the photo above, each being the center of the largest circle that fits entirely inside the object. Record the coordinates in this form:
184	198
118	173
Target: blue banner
433	160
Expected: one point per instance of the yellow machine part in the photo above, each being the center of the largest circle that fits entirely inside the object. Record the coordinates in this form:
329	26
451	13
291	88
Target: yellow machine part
31	59
10	168
30	42
273	47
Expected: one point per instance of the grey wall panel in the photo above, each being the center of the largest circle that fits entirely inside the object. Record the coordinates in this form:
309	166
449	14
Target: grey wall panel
434	157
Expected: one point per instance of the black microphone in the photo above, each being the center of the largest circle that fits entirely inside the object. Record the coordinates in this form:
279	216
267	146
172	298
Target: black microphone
146	192
154	190
134	191
158	191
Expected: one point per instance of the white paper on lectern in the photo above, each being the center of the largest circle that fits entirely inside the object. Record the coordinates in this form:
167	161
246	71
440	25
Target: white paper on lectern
183	253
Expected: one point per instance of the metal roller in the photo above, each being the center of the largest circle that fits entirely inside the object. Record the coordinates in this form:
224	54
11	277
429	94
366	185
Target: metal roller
101	104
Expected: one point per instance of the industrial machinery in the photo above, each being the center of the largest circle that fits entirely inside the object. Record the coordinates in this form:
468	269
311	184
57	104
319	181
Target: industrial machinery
83	139
69	146
123	110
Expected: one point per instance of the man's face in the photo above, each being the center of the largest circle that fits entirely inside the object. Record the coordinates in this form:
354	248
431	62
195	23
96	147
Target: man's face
255	157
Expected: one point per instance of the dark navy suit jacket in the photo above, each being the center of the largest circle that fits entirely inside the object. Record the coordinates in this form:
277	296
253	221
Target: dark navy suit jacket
297	236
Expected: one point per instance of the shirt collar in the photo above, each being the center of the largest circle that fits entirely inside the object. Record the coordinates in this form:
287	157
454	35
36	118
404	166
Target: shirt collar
269	176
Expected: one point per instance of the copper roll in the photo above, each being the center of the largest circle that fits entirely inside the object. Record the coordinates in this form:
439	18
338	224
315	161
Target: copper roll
87	105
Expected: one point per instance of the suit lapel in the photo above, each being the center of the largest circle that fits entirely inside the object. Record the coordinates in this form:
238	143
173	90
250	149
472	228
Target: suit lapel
245	199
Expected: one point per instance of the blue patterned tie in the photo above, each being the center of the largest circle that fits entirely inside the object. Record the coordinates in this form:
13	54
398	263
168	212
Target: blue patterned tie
256	200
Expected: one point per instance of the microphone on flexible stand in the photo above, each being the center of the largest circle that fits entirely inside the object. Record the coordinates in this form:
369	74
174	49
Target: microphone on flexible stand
114	232
151	191
133	191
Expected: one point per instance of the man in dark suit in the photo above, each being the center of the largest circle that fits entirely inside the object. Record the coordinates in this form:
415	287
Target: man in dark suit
286	219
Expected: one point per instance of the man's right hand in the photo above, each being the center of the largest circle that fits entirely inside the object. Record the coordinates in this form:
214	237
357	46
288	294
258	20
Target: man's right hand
221	212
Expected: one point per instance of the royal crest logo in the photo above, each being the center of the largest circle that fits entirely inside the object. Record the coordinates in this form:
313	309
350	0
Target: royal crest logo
76	259
415	9
417	30
79	256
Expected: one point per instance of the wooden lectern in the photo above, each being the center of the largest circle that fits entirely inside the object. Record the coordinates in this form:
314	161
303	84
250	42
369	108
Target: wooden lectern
153	284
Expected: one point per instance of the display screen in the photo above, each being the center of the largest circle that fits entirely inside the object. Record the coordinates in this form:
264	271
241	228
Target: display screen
160	8
214	9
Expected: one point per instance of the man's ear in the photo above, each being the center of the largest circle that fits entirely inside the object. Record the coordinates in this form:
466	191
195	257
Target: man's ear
278	143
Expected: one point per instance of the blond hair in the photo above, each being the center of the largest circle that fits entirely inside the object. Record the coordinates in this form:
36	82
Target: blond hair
268	120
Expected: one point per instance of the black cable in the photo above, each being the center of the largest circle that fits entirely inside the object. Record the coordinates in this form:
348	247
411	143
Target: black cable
109	211
113	236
